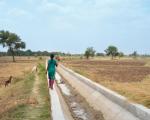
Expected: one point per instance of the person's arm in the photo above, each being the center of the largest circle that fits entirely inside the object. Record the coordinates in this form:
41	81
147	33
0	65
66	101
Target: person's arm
56	64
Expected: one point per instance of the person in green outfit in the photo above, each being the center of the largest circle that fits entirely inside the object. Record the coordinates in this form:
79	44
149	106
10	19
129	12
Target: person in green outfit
51	69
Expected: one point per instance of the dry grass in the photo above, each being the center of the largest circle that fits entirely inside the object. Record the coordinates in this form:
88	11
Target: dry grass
18	68
134	91
130	78
16	93
16	100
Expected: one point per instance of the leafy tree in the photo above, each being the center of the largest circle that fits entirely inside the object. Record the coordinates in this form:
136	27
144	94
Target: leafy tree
134	54
89	52
27	53
100	54
120	54
112	50
3	54
12	41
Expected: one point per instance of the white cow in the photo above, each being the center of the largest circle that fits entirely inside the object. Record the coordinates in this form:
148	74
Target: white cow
34	69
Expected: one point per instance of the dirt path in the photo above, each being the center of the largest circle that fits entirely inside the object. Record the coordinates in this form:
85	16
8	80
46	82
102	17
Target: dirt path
35	91
35	101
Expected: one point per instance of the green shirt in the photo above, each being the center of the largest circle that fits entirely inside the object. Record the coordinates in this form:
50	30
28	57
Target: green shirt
52	68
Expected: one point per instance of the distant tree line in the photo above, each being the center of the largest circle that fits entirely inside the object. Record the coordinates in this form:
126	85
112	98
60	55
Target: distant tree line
33	53
111	51
90	52
14	44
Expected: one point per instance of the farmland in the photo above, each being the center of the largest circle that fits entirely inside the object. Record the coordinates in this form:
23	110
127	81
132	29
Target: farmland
128	77
25	97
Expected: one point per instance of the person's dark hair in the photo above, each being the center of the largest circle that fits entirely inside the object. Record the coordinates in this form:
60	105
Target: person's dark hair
52	56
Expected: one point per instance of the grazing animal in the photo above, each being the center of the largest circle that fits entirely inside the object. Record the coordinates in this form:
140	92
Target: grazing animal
34	69
8	81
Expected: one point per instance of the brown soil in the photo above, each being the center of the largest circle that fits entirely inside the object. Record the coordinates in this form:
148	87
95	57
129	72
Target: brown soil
130	78
123	71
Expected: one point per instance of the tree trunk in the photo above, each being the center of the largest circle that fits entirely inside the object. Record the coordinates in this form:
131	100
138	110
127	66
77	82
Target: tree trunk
112	57
12	53
87	57
13	57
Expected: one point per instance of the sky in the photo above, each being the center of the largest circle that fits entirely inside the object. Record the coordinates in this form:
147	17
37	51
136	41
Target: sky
73	25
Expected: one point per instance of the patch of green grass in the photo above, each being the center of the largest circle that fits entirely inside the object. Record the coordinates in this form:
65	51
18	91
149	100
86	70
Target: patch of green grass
45	110
16	113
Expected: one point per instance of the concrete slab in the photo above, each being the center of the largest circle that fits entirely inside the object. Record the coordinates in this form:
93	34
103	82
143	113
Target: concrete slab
113	105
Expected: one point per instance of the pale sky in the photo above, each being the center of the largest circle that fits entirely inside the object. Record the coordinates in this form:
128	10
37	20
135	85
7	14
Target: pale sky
74	25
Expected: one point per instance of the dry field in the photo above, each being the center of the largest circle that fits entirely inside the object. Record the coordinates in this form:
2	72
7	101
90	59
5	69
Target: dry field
18	70
130	78
17	99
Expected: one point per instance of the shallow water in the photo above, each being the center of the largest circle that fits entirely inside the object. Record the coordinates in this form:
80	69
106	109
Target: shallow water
64	89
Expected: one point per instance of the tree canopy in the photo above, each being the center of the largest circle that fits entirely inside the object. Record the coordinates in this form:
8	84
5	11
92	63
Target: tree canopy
120	54
134	54
90	52
112	50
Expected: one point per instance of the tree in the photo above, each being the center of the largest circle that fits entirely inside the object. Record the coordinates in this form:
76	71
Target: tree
28	52
12	41
112	50
134	54
100	54
89	52
120	54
